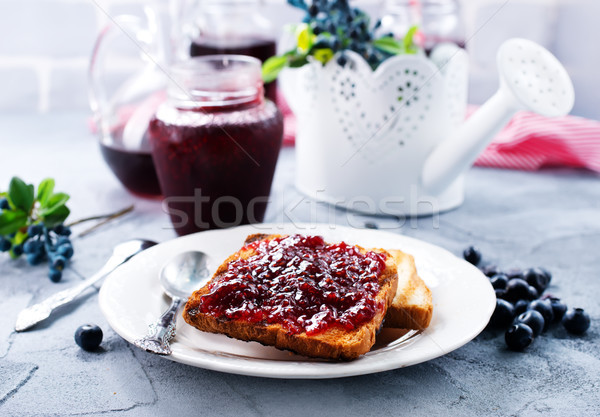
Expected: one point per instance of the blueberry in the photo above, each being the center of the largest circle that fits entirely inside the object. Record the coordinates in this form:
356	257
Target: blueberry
342	61
4	204
34	230
29	247
547	274
533	319
517	289
576	321
62	230
533	293
18	250
472	255
66	231
33	247
499	281
500	293
334	43
558	308
55	275
62	240
321	42
518	337
536	278
313	10
35	258
503	314
490	270
545	308
88	337
5	244
521	306
65	250
58	262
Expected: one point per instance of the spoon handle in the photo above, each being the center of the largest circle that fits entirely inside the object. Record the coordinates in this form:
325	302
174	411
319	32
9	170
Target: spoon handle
161	331
36	313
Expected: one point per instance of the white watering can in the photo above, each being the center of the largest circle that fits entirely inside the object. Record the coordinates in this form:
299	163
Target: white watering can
394	141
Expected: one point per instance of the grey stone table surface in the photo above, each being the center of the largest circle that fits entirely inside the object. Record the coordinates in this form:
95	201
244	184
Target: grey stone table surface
518	219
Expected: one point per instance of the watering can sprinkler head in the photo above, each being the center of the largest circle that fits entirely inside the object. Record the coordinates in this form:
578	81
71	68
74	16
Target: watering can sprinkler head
531	78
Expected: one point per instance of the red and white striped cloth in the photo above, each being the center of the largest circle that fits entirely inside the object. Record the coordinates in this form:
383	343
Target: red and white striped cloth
529	142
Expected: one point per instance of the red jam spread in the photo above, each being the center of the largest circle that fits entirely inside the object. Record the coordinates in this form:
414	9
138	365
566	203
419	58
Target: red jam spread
301	283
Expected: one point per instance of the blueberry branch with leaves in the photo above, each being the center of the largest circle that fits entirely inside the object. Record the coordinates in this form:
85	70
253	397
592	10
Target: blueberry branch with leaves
331	27
33	224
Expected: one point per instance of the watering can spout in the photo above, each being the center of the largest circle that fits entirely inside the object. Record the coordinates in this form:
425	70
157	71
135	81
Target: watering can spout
531	78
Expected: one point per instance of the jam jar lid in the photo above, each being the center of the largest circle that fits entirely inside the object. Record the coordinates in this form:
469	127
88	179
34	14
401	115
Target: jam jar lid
215	80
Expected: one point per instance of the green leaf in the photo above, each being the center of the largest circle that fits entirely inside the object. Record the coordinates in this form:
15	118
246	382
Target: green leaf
57	216
323	55
298	61
304	37
45	190
20	195
389	45
272	67
19	238
408	41
55	202
11	221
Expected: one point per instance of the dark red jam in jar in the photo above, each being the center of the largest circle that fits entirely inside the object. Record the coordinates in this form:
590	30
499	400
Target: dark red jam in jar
301	283
215	143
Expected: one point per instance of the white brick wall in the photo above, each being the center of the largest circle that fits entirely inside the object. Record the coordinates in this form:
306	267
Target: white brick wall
45	45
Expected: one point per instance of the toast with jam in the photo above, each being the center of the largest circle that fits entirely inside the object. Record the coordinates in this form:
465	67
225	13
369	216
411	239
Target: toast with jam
299	293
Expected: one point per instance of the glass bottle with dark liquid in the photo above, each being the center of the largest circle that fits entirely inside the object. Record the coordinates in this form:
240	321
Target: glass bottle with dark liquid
234	27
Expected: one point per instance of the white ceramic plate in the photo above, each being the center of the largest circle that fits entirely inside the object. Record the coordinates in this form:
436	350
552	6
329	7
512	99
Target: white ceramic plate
463	298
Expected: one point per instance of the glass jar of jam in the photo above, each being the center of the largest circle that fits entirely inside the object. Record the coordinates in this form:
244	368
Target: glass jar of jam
215	143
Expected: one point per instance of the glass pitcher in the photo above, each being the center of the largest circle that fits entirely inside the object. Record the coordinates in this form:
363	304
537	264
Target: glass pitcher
127	83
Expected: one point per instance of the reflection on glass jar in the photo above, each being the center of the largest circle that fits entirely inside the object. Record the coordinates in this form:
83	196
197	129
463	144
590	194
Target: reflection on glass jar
215	143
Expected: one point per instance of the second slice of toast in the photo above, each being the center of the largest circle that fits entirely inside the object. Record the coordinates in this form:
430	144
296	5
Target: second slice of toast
412	307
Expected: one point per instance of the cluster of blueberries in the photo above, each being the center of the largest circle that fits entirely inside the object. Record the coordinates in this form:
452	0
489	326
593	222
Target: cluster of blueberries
522	308
43	243
339	27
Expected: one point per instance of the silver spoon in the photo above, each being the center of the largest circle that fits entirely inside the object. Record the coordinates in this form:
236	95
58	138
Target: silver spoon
38	312
181	276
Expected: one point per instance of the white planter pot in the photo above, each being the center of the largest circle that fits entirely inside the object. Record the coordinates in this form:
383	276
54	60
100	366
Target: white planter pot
363	137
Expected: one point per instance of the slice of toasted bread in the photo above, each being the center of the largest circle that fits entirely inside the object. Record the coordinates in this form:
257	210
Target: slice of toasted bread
333	343
412	307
